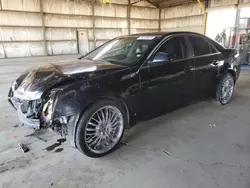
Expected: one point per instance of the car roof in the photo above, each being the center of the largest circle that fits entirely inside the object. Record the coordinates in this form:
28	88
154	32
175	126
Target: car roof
160	34
164	34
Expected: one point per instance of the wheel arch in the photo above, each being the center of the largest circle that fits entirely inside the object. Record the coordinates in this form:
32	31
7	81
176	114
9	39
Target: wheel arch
232	72
113	97
228	67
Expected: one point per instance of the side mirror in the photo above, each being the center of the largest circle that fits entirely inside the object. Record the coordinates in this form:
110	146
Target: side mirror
160	57
128	76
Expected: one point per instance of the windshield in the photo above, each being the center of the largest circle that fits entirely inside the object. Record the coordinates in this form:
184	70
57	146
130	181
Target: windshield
125	51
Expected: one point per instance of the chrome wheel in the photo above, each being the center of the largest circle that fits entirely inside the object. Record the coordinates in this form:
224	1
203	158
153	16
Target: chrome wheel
226	89
104	129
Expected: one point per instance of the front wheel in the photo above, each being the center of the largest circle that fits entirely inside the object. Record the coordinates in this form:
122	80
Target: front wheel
225	89
101	128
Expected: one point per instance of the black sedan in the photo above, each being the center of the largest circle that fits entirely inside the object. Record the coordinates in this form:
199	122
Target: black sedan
94	98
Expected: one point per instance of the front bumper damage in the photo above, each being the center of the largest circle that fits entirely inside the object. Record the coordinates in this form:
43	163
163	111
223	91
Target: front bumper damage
27	110
39	114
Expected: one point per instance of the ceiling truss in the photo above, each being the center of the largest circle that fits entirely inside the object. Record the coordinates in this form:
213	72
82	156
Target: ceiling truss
167	3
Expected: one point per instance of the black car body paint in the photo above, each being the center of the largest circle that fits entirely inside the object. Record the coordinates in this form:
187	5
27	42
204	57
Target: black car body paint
55	95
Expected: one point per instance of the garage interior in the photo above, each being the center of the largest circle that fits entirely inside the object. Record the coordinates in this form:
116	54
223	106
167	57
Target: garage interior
202	145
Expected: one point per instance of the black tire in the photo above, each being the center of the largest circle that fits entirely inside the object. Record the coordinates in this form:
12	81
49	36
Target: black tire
227	76
80	131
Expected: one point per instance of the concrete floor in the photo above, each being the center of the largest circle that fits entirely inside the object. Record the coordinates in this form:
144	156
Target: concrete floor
201	146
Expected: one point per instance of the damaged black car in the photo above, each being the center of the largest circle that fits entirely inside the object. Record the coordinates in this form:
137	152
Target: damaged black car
93	99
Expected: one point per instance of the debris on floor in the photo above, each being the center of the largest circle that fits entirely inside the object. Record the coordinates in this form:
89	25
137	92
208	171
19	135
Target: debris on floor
58	150
58	143
53	146
23	147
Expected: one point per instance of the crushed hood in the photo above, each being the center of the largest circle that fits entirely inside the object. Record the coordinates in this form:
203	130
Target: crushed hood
35	81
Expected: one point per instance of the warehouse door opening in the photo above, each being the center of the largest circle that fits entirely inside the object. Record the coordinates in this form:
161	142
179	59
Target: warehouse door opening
83	41
244	36
220	26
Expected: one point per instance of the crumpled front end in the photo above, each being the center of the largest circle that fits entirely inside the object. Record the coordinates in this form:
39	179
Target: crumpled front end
49	117
37	105
28	110
26	93
51	95
57	109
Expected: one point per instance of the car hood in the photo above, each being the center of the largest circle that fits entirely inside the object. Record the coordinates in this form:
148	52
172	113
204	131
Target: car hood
35	81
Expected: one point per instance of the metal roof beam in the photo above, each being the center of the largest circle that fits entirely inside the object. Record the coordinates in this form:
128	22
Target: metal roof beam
153	3
171	3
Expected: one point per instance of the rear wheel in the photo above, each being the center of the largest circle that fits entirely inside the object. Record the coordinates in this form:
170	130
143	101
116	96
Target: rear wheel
225	89
100	128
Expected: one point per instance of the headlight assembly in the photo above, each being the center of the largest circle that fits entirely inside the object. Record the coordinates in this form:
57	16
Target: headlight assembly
48	108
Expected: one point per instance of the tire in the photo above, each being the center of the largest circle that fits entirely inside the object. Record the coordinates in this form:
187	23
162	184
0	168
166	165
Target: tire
225	89
86	138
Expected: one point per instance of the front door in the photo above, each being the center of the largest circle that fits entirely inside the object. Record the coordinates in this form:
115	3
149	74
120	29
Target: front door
171	75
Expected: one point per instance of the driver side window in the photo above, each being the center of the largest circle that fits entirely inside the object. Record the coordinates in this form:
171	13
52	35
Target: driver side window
172	50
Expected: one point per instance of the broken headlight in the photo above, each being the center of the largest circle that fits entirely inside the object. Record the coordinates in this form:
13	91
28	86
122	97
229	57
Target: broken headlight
48	108
31	108
29	112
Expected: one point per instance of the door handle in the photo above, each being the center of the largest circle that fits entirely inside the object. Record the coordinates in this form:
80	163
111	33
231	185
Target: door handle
188	69
215	62
151	87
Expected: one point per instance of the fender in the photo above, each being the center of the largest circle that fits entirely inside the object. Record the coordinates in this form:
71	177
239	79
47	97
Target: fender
74	98
230	67
73	102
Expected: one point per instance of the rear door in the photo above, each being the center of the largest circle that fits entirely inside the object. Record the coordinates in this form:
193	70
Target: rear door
206	61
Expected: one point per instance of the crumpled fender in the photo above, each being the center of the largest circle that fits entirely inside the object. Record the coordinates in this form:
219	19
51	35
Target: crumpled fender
74	99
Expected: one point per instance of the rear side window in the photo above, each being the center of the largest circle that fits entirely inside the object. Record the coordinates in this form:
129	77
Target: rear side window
213	50
200	46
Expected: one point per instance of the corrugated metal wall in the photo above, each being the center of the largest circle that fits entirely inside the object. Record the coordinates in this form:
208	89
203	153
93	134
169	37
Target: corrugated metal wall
49	27
144	18
21	32
187	17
